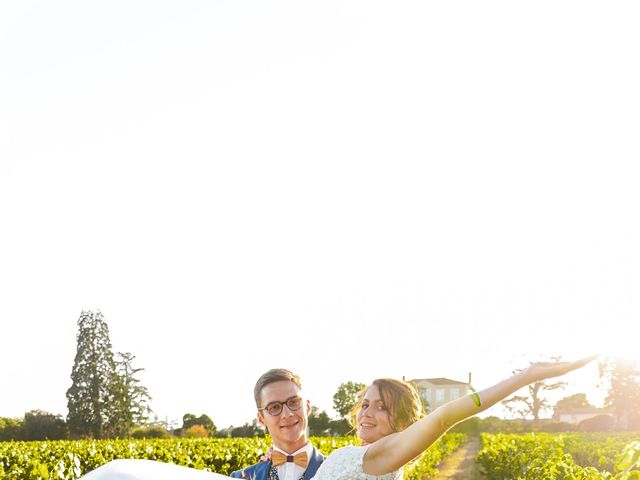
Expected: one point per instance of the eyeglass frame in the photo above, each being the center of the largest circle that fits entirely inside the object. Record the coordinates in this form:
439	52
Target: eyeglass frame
281	405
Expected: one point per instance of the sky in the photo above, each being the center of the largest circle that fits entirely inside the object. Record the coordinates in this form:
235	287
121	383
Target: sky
350	190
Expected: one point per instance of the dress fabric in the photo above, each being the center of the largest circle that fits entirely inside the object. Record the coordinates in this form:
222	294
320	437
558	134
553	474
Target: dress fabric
129	469
346	464
343	464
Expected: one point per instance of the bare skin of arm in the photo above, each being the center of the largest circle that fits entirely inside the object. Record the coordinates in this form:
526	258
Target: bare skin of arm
395	450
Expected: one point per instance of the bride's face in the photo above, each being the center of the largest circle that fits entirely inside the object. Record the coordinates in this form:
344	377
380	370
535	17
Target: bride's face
373	419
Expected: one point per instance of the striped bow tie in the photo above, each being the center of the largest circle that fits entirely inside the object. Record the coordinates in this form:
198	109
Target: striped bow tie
278	459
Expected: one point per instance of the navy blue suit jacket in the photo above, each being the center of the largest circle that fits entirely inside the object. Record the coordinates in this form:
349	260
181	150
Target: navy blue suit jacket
260	470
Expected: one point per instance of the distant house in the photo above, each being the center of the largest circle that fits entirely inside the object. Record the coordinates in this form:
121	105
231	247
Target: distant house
438	391
579	414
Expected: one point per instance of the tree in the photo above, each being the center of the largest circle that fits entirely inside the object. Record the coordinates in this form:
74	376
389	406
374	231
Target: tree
319	422
130	406
622	378
150	431
534	403
39	425
247	430
578	400
341	427
106	398
94	379
599	423
10	428
189	420
195	431
346	398
119	418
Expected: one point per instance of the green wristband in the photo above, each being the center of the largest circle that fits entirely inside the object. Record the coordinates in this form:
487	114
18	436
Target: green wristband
474	396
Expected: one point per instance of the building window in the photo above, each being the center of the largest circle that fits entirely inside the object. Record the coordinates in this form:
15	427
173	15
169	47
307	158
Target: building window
439	395
455	393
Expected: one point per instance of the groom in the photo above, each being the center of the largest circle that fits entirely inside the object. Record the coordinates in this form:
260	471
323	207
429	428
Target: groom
284	412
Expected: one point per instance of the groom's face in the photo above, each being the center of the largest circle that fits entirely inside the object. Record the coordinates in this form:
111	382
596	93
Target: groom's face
288	429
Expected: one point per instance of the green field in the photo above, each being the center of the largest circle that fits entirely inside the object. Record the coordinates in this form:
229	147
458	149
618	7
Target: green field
545	456
539	456
60	460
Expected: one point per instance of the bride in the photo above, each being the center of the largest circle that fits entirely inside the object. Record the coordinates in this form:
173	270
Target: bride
387	422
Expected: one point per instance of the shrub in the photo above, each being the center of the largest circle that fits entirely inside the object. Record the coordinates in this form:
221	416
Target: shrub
150	432
10	428
599	423
196	431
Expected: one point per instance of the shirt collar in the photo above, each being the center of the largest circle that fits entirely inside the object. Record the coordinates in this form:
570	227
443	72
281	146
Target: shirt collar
305	448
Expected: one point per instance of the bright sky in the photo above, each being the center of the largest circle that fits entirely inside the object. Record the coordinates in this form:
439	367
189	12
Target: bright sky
347	189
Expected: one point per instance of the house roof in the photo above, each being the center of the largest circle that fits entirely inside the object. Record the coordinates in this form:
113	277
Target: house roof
438	381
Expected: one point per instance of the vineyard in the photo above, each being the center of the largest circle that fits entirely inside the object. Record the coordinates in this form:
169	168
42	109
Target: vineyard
571	456
68	460
539	456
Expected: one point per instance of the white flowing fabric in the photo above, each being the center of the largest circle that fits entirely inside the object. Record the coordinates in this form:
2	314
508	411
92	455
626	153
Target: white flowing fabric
148	470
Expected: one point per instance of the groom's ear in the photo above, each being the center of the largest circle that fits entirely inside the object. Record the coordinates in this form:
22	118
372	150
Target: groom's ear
261	419
308	406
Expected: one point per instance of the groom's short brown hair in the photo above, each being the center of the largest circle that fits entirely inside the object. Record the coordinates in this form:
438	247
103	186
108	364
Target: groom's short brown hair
273	375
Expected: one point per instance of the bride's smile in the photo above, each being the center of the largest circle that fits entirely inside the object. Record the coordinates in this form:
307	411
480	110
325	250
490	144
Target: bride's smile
373	417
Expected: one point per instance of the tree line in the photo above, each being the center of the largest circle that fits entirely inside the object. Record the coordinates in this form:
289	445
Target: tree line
107	400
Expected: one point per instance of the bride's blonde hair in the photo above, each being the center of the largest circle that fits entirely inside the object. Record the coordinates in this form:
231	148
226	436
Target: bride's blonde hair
401	400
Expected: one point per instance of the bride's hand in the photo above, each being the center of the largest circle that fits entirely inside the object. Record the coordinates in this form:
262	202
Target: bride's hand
543	370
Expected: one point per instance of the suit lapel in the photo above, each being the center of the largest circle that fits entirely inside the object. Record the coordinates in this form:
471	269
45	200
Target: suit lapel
259	472
314	463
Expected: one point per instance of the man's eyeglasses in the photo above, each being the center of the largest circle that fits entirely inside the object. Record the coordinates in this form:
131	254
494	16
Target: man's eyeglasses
275	408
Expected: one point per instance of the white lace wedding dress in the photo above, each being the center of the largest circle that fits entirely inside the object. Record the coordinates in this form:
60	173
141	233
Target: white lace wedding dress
346	464
343	464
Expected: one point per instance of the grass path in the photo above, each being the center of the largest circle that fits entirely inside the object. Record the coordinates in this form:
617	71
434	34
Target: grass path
461	465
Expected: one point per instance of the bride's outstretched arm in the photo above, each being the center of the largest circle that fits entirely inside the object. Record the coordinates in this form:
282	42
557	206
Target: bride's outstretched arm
391	452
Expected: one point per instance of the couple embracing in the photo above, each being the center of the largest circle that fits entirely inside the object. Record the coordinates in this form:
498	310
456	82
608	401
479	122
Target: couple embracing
388	420
386	406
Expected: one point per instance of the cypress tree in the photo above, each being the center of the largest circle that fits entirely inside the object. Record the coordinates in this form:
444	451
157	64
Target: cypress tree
94	379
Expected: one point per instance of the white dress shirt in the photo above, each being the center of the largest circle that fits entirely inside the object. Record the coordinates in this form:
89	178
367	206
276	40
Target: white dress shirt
289	470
